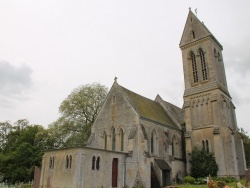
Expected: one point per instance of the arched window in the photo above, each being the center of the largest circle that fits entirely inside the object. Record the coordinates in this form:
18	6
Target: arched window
53	161
153	142
215	53
203	64
50	162
113	139
203	145
194	67
70	161
98	163
207	146
93	163
175	149
122	139
105	140
67	161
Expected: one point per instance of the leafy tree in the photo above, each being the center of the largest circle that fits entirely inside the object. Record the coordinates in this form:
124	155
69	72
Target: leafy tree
202	163
78	113
22	150
5	128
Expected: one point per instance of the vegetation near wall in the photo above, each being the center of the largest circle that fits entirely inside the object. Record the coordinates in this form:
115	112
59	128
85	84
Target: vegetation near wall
202	163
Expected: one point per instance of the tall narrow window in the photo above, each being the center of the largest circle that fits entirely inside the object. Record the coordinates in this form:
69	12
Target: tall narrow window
53	161
175	146
70	161
203	145
113	139
207	146
153	142
203	64
194	66
93	163
105	140
193	33
122	139
50	162
67	161
98	163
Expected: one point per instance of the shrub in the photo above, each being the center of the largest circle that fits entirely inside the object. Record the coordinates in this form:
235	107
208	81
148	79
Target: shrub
189	179
202	164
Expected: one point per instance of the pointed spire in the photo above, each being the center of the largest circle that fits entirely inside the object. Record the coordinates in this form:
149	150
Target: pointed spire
194	30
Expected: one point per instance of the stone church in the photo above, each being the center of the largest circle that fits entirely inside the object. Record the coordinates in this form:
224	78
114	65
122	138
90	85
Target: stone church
136	141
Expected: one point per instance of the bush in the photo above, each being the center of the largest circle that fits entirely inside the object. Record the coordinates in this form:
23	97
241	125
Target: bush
202	164
189	179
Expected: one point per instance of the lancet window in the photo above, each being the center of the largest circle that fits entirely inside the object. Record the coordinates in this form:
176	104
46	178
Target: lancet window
194	67
203	64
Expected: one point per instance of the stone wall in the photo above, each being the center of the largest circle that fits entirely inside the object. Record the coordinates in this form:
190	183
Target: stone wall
81	173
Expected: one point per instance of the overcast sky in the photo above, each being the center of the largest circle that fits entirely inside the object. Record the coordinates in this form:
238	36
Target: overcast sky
50	47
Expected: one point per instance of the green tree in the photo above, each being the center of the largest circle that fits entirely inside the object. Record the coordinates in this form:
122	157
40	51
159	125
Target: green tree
5	128
202	163
78	113
22	150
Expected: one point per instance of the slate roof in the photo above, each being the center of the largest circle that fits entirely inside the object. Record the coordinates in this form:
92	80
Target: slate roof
149	109
175	111
162	164
197	26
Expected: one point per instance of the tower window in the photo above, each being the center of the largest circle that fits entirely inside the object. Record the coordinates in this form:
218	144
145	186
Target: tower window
98	163
203	64
193	34
205	146
93	163
194	66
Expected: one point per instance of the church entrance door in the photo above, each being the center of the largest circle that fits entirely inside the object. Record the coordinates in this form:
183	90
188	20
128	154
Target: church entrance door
165	178
114	172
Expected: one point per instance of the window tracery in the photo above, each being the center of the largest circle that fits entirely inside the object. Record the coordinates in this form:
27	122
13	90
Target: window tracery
203	64
194	67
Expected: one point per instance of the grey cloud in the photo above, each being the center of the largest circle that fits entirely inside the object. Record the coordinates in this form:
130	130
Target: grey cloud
14	81
237	57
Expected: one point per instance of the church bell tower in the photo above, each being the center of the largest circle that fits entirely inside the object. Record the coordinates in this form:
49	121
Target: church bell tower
209	112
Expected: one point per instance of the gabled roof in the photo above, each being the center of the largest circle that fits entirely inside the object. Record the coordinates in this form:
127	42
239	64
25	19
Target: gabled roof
193	24
148	109
175	111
